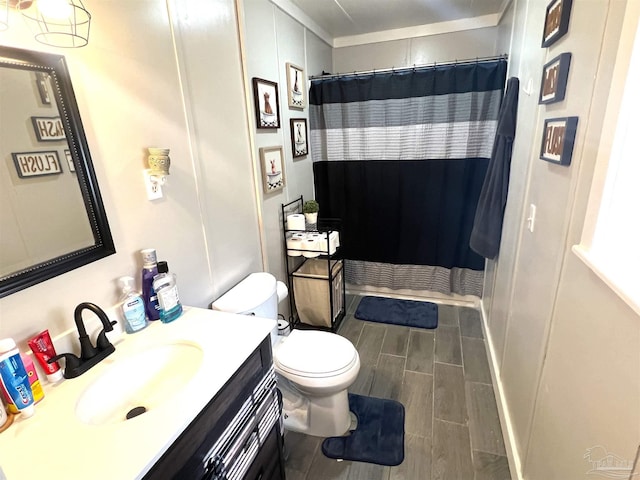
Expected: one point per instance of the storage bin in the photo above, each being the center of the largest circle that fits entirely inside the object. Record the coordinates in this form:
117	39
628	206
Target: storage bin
312	291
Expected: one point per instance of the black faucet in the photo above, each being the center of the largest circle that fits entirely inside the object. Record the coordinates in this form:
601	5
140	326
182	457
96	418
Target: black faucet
89	355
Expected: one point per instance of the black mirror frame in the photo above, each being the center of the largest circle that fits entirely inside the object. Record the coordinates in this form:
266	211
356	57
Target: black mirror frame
56	67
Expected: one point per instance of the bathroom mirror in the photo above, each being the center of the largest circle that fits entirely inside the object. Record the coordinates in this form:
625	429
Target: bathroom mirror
52	219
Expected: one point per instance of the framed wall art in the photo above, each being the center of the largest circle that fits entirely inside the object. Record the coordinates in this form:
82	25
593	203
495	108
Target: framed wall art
42	80
35	164
299	144
272	163
556	21
67	155
266	102
48	129
557	140
295	86
554	79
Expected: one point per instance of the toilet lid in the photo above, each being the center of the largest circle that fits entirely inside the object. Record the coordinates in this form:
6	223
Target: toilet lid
313	353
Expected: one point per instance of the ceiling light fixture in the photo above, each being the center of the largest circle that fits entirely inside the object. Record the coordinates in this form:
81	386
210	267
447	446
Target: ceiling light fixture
59	23
4	15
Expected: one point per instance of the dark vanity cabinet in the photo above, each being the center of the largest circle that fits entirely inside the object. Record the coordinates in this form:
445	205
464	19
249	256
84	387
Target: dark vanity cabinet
237	435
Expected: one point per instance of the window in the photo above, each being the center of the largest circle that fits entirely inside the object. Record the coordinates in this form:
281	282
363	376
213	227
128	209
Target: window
610	242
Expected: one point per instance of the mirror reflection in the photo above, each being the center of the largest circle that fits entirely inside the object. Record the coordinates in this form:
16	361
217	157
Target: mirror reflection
42	212
51	214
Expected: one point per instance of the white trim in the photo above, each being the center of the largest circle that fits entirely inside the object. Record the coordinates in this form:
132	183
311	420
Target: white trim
470	301
462	24
473	23
508	433
298	15
584	254
255	166
611	120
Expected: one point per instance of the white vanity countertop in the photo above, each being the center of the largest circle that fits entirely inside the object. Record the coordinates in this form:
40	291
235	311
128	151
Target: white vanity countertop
54	444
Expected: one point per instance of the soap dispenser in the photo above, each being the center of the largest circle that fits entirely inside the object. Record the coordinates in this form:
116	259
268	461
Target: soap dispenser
132	306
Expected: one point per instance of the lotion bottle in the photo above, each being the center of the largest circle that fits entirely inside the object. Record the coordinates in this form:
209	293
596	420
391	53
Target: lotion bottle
165	286
132	306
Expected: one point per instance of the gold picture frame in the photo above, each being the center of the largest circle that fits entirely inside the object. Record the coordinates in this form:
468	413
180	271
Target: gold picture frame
296	86
272	163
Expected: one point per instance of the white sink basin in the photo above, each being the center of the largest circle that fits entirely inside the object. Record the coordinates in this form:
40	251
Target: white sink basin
145	379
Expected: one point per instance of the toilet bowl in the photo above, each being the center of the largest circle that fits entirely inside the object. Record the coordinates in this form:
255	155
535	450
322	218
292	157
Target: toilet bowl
314	368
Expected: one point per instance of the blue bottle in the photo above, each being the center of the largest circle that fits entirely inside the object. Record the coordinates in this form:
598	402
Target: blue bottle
149	270
132	306
165	285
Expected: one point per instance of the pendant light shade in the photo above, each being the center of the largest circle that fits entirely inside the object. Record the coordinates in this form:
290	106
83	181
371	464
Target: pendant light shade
4	15
59	23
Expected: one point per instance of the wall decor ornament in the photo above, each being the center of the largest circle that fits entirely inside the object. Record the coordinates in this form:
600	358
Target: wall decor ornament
35	164
558	138
67	155
295	86
42	82
48	129
554	79
265	94
272	162
299	143
556	21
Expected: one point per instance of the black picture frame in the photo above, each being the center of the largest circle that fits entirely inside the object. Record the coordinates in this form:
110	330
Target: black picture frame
37	164
553	84
556	21
266	103
299	137
42	80
558	137
48	129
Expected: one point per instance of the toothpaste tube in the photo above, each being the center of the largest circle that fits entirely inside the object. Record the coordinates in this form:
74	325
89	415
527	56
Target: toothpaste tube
34	381
42	348
14	379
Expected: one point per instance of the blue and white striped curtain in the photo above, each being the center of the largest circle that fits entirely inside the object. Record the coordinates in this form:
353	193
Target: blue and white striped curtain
400	157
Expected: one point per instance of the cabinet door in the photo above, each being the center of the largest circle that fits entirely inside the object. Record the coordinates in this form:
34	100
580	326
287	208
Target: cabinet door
268	464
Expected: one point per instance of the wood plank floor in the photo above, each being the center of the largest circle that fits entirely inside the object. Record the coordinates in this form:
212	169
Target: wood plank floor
442	378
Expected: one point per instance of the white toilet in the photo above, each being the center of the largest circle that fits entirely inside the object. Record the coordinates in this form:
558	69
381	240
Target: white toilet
314	368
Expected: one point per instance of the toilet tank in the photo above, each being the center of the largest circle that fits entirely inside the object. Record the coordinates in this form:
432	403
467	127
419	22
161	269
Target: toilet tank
255	295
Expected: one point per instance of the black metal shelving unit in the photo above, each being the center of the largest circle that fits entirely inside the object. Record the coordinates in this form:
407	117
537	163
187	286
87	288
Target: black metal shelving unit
305	269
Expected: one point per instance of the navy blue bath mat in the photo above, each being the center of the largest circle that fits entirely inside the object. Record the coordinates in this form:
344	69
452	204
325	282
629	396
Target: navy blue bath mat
379	436
399	312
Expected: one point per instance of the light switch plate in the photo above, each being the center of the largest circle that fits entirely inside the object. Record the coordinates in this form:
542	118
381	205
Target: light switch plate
531	220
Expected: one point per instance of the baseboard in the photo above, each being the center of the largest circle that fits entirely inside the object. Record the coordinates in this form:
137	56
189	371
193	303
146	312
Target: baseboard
515	464
423	295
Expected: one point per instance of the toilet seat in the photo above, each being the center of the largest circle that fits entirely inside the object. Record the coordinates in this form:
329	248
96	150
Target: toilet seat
315	354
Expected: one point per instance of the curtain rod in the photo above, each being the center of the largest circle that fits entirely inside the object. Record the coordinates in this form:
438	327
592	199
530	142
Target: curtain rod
504	56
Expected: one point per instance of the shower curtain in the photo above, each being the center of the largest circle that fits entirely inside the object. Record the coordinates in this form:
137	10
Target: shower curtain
400	157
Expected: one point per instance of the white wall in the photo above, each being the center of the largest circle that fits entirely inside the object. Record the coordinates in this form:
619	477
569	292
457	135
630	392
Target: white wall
271	40
565	346
131	97
445	47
